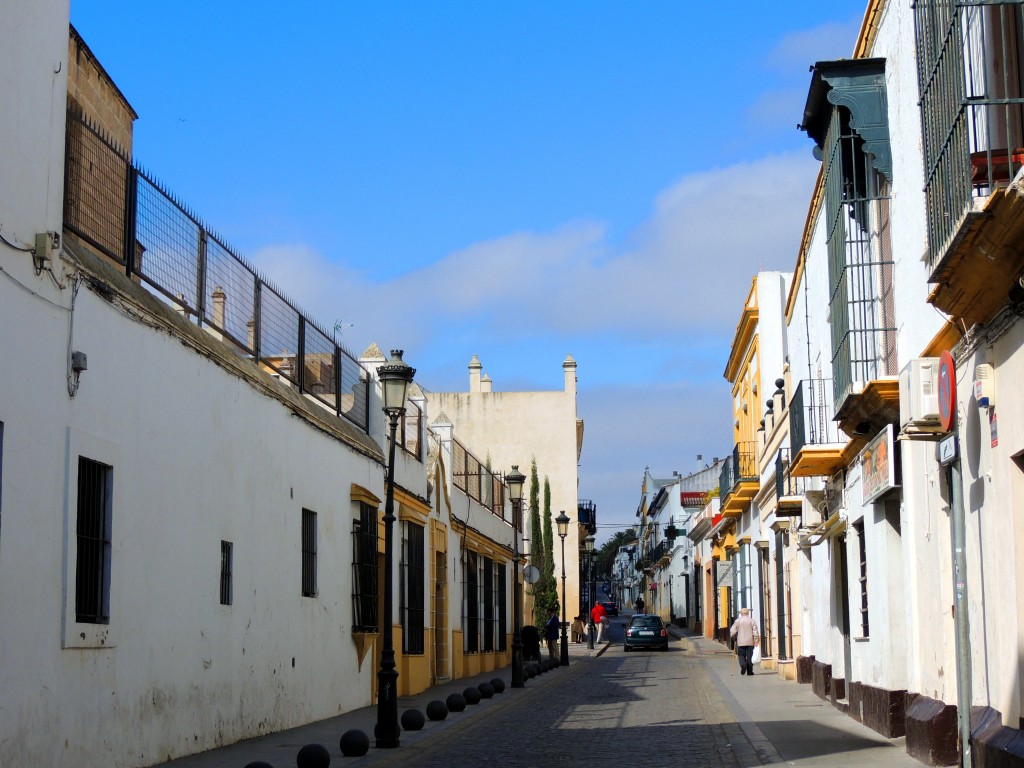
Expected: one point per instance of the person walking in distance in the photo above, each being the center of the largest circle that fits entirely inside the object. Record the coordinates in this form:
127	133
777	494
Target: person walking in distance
639	604
551	628
600	618
747	635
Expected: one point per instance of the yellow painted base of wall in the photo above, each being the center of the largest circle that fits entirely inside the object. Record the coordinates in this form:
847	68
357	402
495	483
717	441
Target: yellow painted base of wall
413	675
786	670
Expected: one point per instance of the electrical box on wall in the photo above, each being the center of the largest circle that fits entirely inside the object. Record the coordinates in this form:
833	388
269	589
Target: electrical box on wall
984	386
919	395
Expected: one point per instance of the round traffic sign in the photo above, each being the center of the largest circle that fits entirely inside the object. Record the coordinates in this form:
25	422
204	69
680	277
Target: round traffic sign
947	391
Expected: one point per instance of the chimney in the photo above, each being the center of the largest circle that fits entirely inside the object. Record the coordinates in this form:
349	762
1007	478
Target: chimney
474	374
700	461
485	383
569	366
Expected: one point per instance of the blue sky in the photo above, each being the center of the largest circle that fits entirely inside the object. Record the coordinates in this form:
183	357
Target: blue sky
519	181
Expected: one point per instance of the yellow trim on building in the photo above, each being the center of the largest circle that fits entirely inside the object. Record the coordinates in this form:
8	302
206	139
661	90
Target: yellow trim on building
358	493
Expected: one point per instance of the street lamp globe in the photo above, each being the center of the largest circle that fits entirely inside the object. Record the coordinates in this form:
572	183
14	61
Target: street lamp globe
562	521
395	376
515	480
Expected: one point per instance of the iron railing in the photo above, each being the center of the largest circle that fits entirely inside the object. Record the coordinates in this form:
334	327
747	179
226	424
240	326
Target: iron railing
787	486
972	106
739	466
811	413
118	209
587	514
861	304
476	480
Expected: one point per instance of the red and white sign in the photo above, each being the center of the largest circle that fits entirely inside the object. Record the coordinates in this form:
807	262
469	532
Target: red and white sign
947	391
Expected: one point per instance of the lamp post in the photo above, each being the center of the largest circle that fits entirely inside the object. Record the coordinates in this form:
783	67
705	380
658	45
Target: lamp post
515	480
562	521
588	543
395	376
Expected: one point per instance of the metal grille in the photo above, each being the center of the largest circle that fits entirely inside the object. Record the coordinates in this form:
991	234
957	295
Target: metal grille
810	415
490	626
969	74
226	586
859	259
92	569
470	603
410	430
119	209
862	550
476	480
94	187
502	601
780	591
440	616
411	598
364	570
308	553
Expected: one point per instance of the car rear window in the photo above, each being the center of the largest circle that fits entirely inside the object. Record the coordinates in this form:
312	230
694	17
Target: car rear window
647	621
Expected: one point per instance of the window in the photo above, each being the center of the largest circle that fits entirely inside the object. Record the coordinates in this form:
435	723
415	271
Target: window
470	603
225	573
488	595
308	553
364	569
502	600
411	599
92	570
864	627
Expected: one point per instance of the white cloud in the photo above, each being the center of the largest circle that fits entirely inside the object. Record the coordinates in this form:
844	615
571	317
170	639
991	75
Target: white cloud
799	50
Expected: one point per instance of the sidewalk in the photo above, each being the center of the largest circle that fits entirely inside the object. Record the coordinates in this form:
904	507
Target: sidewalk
280	749
785	722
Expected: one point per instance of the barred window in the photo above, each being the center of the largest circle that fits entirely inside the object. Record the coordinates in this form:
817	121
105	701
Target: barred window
226	586
490	627
364	569
864	624
411	599
92	570
308	553
501	599
470	602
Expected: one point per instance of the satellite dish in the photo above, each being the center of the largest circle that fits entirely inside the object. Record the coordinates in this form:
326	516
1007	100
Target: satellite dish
531	574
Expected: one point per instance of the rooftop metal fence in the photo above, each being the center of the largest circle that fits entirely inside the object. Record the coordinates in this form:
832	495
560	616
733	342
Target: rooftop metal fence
122	212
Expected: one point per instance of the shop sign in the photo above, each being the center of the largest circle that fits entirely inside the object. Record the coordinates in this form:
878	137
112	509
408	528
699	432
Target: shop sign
878	466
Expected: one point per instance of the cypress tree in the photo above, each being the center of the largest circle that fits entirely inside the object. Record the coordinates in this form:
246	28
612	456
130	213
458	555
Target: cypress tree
536	547
549	579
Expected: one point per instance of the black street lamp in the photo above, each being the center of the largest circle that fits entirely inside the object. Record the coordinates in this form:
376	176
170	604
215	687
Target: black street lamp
395	376
588	543
515	480
562	521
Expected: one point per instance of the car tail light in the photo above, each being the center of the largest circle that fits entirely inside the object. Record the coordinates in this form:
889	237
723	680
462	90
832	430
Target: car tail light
664	633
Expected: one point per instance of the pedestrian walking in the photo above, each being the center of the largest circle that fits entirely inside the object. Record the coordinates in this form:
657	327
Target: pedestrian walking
747	635
551	634
639	604
600	619
578	629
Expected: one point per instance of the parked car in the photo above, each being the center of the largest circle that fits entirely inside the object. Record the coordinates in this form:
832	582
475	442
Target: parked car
645	630
610	607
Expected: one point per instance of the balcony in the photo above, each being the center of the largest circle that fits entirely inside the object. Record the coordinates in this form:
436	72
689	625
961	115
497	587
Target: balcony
738	482
973	131
815	446
587	511
789	490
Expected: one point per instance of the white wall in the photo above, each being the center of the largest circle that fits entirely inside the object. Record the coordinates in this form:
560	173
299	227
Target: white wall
198	455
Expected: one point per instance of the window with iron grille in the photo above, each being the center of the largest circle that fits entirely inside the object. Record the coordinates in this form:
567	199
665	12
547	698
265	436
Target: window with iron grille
864	626
411	597
92	569
501	600
226	586
364	570
470	602
861	311
969	60
308	553
490	624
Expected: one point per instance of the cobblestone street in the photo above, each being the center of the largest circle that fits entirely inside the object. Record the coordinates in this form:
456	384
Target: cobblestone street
594	713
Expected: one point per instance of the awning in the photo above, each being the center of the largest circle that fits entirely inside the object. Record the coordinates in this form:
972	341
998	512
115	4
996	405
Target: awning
835	525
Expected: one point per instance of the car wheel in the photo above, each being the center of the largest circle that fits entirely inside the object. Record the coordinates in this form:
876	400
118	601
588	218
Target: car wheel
625	649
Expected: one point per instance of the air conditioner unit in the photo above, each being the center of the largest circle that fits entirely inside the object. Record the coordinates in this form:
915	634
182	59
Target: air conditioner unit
919	396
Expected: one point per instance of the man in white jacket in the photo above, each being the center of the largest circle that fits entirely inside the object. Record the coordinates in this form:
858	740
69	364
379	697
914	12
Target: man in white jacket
747	635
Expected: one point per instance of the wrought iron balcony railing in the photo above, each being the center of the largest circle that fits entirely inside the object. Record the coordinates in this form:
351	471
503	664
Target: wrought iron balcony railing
811	414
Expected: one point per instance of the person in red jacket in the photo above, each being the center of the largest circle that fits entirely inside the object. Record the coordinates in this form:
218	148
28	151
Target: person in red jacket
600	618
